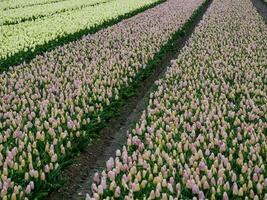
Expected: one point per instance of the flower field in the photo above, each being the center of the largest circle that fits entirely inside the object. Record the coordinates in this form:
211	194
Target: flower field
14	16
37	30
70	65
203	134
48	105
8	5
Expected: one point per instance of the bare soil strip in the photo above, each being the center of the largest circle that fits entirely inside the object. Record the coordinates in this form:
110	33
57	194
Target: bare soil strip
261	8
78	176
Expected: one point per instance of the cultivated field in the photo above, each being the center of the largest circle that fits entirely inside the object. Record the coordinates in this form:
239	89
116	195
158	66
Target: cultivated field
202	132
24	32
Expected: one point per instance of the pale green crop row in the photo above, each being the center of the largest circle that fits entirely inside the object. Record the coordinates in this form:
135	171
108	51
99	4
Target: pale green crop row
26	36
12	16
12	4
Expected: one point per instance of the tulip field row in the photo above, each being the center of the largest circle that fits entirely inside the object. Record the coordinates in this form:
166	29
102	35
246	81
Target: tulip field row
203	133
6	4
21	40
15	16
48	105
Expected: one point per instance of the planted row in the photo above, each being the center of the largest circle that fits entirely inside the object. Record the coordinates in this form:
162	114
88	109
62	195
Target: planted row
25	37
48	106
203	134
18	15
13	4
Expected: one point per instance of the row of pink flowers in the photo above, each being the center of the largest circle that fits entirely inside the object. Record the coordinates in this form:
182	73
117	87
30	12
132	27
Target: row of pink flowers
203	133
46	105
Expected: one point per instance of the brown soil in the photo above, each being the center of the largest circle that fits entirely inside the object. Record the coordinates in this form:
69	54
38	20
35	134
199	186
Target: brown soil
261	8
79	175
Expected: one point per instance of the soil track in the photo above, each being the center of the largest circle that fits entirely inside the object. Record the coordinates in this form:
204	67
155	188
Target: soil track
261	8
78	176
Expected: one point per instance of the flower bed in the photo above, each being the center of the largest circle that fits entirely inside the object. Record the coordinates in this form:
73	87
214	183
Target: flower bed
203	134
47	107
15	16
22	41
6	5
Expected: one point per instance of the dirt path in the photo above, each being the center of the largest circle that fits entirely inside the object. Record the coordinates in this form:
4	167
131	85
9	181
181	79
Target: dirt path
261	8
114	135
